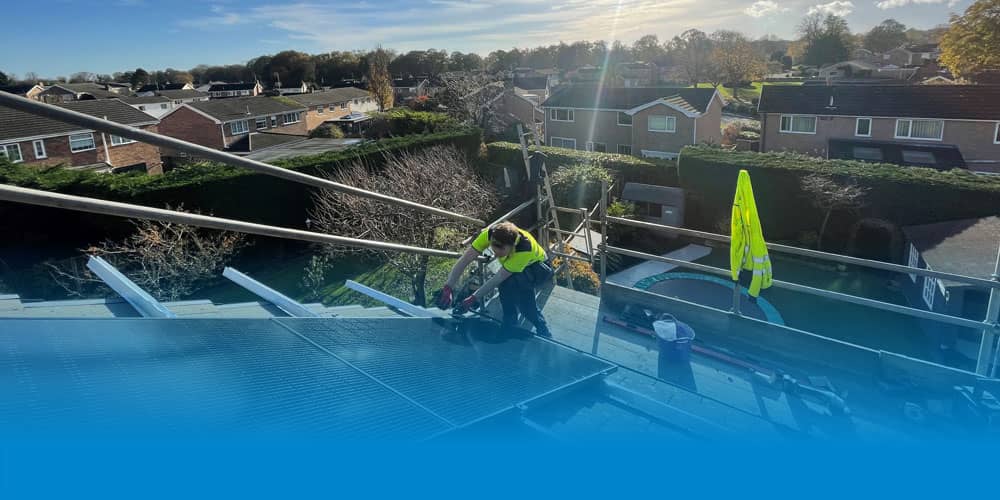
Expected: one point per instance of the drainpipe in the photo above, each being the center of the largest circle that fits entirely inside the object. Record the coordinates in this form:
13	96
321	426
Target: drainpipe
107	152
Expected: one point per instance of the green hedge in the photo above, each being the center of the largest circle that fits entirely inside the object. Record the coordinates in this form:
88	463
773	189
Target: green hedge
902	195
399	122
209	187
631	168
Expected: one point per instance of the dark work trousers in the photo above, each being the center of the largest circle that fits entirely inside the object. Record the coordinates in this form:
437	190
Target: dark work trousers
517	294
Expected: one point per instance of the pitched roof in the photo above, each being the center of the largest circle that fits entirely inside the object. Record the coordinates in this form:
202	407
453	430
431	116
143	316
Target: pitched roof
970	102
97	90
182	94
16	124
329	96
967	247
243	107
153	87
926	47
153	99
588	97
223	87
17	89
531	82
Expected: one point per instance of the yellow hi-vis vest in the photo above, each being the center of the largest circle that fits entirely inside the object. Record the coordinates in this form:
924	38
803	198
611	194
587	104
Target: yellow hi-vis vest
748	250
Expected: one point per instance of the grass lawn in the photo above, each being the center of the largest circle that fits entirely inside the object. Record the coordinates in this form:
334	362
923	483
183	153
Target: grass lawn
747	94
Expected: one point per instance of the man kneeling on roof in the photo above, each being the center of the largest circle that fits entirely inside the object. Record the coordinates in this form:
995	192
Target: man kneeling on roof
524	268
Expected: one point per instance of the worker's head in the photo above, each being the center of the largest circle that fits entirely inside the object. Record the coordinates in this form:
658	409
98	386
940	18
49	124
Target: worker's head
503	238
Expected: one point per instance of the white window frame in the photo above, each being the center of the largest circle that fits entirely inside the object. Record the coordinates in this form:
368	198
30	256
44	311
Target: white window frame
257	122
564	141
274	121
909	130
791	119
629	146
554	113
164	105
296	118
930	289
39	144
117	140
858	123
7	155
996	134
243	130
590	146
320	109
669	119
92	142
913	260
619	118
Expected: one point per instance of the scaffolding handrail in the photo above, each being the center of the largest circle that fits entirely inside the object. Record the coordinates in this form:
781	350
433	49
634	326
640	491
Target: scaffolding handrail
843	297
803	252
104	207
73	117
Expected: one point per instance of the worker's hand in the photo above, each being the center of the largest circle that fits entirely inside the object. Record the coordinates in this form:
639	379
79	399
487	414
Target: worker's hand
445	298
470	303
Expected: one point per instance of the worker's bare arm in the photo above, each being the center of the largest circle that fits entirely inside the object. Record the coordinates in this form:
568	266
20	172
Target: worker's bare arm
459	267
492	283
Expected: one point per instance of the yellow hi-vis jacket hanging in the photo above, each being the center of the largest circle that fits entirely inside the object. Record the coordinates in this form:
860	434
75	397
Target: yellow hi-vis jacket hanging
748	250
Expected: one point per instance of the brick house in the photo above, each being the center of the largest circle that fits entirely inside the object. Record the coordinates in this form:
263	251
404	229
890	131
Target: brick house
655	122
329	106
183	95
224	123
939	126
221	90
912	55
35	140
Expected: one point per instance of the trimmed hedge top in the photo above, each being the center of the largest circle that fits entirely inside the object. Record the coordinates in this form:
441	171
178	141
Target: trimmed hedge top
693	156
634	169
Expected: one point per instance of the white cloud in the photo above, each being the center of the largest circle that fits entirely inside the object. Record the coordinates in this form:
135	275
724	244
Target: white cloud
837	7
762	8
891	4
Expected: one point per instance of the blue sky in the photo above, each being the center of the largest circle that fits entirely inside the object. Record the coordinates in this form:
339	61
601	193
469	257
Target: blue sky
114	35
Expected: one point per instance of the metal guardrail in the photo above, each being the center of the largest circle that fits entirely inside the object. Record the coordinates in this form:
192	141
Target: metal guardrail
91	122
103	207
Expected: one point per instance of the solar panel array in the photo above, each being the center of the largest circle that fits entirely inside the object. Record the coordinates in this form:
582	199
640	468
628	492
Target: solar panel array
396	378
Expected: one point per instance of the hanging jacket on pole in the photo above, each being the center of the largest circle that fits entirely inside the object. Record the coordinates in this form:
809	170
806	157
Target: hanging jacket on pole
748	249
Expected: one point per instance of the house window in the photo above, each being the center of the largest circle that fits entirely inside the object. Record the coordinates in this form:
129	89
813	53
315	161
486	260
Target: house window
913	260
930	284
319	109
920	129
274	121
863	127
624	119
260	123
918	157
624	149
81	142
661	123
40	153
562	142
118	141
177	102
343	105
597	147
867	154
561	115
12	152
240	127
163	106
798	124
290	118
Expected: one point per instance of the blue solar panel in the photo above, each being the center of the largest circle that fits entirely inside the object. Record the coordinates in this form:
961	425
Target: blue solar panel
355	378
213	376
462	376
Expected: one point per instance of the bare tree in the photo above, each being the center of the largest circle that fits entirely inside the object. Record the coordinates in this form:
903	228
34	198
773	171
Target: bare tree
170	261
735	59
828	194
379	81
692	51
474	99
439	176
